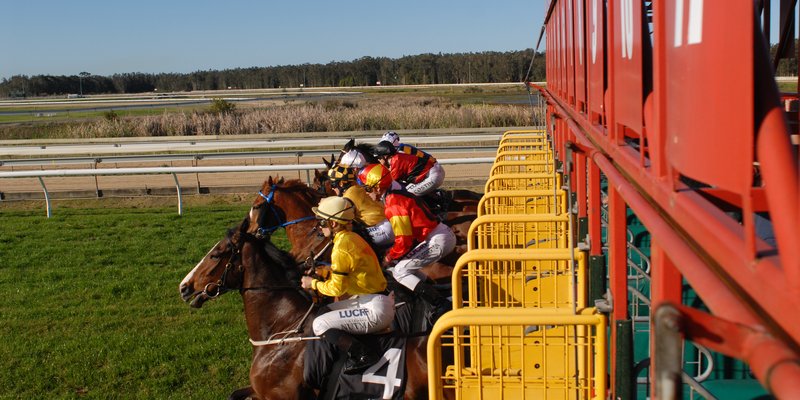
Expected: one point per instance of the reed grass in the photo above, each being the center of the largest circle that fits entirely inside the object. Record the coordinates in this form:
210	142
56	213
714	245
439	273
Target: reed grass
382	113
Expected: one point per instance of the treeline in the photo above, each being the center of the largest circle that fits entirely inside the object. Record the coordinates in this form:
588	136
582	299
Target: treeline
485	67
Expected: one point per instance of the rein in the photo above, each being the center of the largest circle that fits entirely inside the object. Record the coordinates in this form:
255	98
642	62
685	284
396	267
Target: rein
266	231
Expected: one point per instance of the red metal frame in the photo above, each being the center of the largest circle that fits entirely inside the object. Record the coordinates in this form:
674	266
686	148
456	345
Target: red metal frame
696	99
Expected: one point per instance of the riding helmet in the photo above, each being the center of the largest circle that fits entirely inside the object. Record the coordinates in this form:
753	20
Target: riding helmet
336	208
342	175
384	148
391	137
375	175
353	159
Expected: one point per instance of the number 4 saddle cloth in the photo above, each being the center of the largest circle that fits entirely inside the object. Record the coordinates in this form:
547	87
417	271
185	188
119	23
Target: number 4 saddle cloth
384	380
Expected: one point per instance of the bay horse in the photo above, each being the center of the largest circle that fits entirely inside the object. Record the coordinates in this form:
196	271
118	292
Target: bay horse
287	204
274	304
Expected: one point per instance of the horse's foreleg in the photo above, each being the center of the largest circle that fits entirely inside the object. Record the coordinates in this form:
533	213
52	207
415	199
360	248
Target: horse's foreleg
243	393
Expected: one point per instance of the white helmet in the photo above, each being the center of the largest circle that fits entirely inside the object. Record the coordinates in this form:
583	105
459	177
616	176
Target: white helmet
353	159
392	137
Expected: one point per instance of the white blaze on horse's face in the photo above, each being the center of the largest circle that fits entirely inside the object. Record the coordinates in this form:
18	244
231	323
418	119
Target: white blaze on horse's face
190	276
253	216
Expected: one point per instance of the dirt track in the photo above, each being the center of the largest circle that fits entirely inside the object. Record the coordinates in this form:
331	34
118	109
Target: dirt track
471	176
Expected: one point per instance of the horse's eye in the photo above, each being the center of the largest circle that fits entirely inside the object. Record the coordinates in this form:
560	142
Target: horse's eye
215	256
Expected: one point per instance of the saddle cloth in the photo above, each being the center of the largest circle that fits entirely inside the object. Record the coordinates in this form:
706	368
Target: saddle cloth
384	380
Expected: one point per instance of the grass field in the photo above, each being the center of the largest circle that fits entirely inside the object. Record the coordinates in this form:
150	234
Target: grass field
91	308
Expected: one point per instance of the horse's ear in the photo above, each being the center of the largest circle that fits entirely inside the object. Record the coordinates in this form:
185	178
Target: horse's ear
270	182
280	181
328	164
349	145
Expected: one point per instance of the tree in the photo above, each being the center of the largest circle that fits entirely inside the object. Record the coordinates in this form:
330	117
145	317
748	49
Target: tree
222	106
82	75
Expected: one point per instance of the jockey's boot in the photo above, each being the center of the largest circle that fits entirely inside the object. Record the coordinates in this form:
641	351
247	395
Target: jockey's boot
359	355
439	303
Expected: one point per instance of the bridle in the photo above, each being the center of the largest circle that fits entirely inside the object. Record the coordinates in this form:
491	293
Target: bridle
215	289
221	286
263	232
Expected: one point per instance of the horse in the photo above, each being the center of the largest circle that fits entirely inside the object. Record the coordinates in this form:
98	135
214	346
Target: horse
274	305
287	204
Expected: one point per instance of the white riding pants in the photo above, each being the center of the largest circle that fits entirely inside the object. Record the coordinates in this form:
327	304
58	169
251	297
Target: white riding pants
381	234
368	313
441	241
432	181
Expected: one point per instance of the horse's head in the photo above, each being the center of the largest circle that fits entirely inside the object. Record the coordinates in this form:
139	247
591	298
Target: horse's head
322	182
239	262
280	204
219	271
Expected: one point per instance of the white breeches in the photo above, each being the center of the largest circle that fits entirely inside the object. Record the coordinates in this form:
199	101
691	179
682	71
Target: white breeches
441	241
381	234
368	313
432	181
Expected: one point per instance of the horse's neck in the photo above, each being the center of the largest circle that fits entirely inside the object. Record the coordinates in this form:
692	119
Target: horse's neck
270	307
304	240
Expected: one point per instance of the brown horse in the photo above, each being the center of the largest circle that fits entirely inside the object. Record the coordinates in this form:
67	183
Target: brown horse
288	204
268	281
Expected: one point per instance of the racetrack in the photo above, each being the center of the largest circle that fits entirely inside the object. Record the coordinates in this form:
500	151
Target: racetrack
467	176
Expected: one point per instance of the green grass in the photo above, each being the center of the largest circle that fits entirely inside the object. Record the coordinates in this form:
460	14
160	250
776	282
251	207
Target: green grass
91	308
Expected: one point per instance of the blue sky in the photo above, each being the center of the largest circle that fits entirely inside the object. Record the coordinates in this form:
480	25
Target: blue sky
65	37
61	37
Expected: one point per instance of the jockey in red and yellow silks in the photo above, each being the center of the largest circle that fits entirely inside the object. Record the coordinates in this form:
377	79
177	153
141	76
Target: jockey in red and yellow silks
419	238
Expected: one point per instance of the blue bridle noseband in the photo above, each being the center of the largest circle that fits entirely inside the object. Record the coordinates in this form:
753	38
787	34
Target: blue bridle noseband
262	232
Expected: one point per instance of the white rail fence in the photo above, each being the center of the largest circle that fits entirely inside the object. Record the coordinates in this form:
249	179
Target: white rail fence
174	171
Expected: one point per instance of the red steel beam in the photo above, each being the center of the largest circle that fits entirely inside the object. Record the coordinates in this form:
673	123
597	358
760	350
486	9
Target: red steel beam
715	237
775	366
666	285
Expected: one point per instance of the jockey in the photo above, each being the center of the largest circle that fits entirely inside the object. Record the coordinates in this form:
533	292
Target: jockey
354	271
367	212
419	238
416	169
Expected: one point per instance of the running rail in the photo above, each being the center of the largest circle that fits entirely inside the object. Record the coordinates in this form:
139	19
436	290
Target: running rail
188	170
687	125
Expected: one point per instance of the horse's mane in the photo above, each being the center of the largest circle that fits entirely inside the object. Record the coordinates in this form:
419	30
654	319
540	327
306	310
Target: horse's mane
311	195
280	259
284	260
367	150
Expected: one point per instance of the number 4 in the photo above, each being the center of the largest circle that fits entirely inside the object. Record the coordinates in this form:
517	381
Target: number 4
390	381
